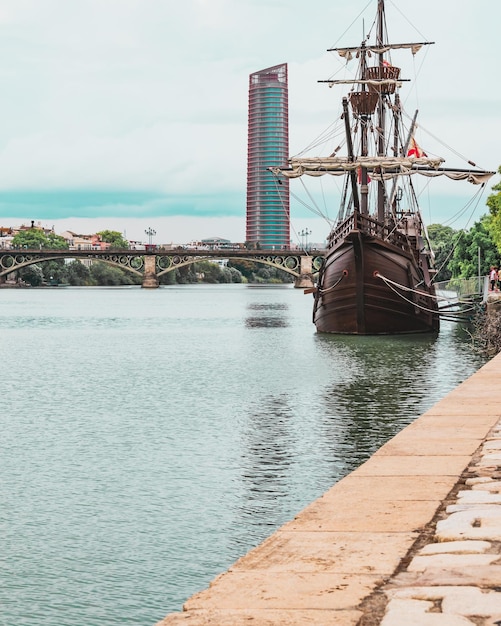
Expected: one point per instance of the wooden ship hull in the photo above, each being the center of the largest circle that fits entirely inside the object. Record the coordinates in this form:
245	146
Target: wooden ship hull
372	286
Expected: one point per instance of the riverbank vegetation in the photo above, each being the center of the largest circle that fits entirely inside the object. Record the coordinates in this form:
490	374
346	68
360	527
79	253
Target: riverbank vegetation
468	253
486	332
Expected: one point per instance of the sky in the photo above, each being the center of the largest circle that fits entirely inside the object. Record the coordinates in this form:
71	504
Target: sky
132	114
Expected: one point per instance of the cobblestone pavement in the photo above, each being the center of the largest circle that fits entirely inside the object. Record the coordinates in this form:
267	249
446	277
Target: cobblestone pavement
456	579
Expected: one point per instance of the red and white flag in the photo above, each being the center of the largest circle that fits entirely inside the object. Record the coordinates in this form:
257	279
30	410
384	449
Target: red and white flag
414	150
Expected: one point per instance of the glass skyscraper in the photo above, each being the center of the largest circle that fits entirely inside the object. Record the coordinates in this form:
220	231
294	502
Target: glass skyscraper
268	216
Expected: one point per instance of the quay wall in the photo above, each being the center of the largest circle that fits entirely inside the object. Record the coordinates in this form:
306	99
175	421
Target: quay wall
326	565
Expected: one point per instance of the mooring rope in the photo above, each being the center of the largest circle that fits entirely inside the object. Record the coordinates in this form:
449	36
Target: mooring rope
332	286
390	284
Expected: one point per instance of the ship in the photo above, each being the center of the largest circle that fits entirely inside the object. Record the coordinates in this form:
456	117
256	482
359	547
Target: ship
377	276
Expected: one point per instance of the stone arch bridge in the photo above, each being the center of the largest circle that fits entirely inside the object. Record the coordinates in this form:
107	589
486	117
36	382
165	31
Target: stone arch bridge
151	264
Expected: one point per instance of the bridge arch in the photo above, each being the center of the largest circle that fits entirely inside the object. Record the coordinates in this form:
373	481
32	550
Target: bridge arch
10	263
290	264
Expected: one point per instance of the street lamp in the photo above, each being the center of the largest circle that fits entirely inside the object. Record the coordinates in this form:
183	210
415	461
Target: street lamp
151	233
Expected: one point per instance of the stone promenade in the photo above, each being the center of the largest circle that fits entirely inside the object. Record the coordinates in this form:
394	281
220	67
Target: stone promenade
410	538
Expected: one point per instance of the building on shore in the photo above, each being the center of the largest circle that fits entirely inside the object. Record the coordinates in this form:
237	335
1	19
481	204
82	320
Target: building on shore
268	203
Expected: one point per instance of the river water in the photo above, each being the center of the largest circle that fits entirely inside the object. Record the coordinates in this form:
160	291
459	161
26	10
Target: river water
150	438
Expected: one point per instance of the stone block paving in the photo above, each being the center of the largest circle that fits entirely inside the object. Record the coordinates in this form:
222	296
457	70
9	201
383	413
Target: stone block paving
456	579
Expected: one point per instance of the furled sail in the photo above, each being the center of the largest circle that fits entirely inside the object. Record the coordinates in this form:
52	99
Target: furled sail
380	168
349	53
359	81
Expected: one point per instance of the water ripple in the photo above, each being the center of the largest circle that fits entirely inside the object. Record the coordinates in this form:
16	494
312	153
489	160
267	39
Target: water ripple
150	438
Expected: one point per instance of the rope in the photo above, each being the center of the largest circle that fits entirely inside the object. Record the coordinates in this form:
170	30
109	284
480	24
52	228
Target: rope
351	25
423	293
291	226
449	315
332	286
404	288
423	308
316	210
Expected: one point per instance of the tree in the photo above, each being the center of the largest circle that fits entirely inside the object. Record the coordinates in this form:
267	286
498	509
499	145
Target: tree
169	278
186	274
246	268
32	274
35	238
56	242
232	275
114	238
464	263
210	271
104	274
255	272
494	204
55	272
442	239
264	274
78	274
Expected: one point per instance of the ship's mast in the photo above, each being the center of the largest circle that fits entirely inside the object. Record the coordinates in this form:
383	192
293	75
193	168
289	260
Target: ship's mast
364	118
377	85
381	113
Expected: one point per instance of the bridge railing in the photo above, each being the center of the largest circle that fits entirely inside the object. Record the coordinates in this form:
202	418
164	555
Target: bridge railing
159	251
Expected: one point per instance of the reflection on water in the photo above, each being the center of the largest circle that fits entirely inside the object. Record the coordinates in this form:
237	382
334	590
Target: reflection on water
266	461
381	386
267	306
171	430
269	315
265	321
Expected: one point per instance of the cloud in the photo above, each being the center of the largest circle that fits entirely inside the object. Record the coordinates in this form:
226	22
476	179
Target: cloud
140	106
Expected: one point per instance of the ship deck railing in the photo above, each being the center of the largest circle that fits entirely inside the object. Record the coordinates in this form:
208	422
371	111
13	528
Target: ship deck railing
370	226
